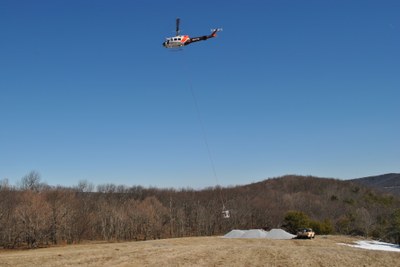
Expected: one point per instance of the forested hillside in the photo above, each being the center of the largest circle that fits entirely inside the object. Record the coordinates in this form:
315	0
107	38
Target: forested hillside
389	182
35	214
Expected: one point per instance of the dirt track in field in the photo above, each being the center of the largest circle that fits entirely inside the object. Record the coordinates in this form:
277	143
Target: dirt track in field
206	251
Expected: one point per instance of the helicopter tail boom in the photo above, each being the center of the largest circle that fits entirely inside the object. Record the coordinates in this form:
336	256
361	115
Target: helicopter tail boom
204	37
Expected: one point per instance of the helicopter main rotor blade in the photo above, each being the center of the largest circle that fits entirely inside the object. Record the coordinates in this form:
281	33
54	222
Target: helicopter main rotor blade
177	26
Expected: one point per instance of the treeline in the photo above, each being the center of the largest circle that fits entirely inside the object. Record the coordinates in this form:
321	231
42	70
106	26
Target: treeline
35	214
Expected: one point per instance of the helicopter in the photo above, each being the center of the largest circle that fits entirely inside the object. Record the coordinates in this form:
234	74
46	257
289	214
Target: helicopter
178	40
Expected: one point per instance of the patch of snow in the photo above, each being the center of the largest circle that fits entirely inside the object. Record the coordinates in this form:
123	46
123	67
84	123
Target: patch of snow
374	245
259	233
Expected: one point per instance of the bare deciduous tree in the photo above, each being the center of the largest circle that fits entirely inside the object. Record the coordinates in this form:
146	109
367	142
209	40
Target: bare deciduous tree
31	181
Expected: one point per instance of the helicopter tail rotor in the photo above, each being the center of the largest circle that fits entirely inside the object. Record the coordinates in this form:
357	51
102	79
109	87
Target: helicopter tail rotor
214	31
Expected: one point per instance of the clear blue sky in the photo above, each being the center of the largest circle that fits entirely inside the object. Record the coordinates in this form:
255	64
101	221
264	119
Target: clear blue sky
87	92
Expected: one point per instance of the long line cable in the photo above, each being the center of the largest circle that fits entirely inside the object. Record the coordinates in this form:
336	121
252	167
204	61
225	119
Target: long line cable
205	139
203	130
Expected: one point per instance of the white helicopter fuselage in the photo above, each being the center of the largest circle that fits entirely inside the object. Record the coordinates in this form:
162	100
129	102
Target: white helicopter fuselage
176	41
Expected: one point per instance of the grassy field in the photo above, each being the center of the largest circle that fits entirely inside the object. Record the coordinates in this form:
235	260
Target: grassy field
206	251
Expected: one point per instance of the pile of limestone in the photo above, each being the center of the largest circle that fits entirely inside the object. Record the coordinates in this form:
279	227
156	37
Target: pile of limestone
259	233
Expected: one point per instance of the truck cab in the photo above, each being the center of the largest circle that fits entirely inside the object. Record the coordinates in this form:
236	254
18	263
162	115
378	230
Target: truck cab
305	233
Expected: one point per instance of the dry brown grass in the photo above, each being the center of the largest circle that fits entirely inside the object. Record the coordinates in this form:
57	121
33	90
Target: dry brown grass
206	251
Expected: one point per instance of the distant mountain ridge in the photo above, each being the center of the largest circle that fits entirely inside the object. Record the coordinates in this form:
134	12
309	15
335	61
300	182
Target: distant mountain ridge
389	182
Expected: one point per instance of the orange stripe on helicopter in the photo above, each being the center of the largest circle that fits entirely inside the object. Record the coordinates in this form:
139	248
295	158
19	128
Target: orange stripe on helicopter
184	39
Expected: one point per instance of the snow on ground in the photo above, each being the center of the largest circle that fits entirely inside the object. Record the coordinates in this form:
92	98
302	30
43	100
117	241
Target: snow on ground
259	233
374	245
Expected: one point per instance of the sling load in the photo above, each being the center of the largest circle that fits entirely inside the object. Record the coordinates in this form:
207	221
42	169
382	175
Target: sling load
225	213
